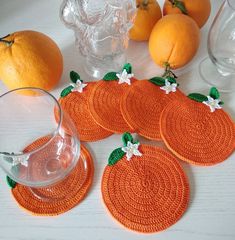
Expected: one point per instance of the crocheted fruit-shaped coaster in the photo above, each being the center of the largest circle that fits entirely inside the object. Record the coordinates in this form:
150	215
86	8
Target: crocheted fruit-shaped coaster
197	130
143	102
104	100
74	101
60	197
144	187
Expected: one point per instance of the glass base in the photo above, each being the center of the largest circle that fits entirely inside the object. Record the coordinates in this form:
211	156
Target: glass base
211	75
62	190
97	68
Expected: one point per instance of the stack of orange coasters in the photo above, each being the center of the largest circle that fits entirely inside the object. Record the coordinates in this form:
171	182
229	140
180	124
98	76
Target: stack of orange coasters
74	101
62	196
197	130
143	102
119	103
144	187
105	97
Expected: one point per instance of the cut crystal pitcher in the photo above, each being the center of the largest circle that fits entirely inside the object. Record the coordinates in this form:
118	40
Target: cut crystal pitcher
101	31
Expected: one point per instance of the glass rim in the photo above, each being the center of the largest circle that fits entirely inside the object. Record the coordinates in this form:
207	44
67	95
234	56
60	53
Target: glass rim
229	3
52	134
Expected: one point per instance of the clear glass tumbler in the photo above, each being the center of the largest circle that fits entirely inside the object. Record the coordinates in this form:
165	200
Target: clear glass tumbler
101	32
39	145
219	68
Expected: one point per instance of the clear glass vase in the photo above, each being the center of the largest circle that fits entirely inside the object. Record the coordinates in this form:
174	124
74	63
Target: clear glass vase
219	68
101	32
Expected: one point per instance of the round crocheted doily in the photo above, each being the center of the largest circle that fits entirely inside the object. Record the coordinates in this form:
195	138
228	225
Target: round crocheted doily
104	104
141	106
148	193
196	135
60	197
75	105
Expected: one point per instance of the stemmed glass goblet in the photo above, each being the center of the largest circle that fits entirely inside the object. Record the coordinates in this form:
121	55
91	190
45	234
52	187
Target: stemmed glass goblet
219	68
37	149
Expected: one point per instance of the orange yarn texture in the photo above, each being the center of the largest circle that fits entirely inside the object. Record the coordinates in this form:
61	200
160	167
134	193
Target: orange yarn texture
196	135
148	193
64	195
76	106
104	104
141	106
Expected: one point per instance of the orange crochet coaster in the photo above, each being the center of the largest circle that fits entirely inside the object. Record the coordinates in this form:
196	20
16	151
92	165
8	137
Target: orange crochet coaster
104	101
75	104
144	187
63	195
198	131
142	104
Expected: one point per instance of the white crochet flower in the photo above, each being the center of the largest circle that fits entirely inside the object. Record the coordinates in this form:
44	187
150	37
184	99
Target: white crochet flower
212	103
23	160
124	77
169	87
131	149
78	86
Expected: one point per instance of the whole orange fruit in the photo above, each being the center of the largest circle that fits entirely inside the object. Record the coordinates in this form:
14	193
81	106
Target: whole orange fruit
174	40
30	59
197	9
148	13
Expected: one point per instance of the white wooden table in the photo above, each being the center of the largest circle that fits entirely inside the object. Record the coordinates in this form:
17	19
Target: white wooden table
211	214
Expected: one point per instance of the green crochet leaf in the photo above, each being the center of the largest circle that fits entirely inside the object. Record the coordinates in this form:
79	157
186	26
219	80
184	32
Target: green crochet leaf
11	183
74	76
110	76
214	93
159	81
128	68
197	97
221	103
66	91
126	137
181	6
115	156
171	80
